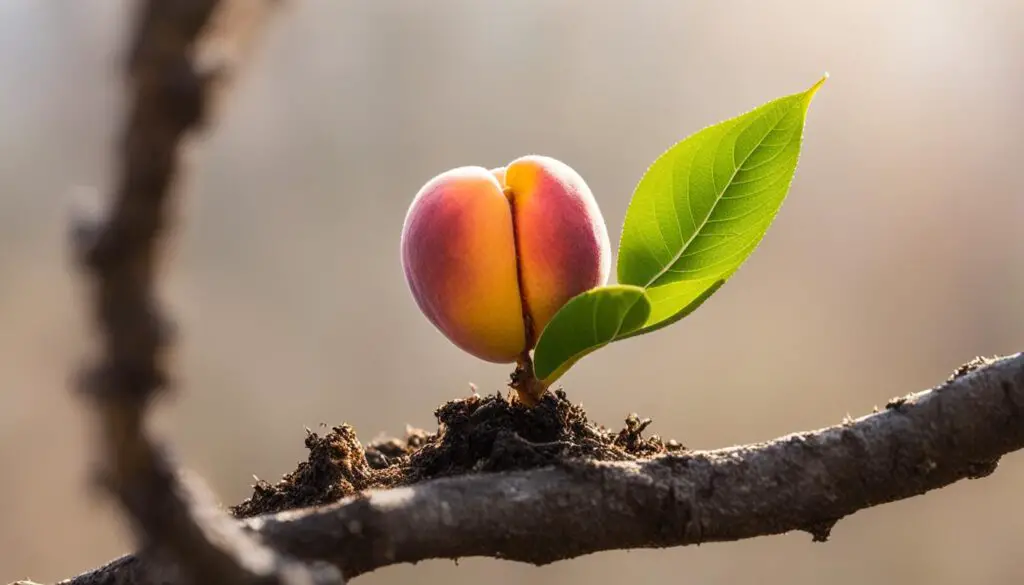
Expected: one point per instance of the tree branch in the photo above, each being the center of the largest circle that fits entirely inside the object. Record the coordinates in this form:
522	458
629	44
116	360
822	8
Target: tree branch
181	53
804	481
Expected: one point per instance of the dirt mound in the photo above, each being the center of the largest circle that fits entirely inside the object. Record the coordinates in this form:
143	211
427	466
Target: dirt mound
475	434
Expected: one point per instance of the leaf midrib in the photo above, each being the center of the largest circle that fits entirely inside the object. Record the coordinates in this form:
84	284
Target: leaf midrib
718	198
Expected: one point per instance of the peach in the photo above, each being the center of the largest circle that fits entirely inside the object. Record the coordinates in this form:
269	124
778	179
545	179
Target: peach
491	255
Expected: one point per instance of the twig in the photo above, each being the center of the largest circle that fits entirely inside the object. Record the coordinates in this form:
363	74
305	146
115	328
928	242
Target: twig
805	481
180	56
524	381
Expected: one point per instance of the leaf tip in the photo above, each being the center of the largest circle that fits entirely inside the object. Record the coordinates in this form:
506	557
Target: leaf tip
809	94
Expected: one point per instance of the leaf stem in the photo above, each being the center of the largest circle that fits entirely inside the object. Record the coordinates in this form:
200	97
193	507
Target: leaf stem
529	389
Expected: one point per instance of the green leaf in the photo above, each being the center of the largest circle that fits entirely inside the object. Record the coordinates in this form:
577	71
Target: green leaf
702	208
586	323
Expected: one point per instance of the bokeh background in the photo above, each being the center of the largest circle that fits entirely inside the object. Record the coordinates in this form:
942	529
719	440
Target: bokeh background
897	256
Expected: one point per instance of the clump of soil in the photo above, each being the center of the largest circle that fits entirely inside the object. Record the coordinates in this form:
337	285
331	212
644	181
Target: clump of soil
475	434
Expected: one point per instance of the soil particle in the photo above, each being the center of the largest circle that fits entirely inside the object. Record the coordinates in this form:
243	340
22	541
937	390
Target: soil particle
474	435
974	364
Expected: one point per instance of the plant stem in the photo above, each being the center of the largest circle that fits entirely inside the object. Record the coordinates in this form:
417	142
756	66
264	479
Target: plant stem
528	388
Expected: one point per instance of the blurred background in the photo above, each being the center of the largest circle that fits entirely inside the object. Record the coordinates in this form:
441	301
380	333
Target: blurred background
897	256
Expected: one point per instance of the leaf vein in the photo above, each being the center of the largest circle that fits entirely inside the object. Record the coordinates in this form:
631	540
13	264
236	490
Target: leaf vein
723	260
742	215
682	250
729	238
768	160
781	176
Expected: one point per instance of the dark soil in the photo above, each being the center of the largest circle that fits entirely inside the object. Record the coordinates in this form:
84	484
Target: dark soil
475	435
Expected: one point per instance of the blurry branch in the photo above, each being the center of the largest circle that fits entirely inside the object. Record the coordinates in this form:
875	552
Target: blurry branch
181	53
804	481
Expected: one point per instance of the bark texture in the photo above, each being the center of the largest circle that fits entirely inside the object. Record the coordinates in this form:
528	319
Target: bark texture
804	481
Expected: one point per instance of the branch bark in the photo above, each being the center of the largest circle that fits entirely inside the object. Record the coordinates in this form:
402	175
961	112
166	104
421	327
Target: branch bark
804	481
181	54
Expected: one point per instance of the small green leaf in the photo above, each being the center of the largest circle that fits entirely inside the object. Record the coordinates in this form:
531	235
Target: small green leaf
702	208
588	322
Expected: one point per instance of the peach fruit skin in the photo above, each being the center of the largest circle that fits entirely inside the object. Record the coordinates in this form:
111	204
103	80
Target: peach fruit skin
477	244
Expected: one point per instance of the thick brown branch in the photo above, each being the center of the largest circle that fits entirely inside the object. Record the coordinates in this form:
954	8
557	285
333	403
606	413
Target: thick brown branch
180	54
805	481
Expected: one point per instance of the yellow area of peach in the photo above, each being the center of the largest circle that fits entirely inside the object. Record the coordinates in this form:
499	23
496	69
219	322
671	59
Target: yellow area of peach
471	279
543	283
483	309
